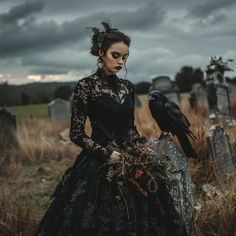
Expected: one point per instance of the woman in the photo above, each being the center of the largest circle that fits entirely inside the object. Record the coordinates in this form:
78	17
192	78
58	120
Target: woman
89	200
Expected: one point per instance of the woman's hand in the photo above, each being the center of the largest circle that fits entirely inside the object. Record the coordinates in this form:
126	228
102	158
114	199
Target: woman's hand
115	156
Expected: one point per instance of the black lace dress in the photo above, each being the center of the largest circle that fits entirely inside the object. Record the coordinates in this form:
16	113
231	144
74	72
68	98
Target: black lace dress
84	202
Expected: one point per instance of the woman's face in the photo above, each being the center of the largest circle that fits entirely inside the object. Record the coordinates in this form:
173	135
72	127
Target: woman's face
115	57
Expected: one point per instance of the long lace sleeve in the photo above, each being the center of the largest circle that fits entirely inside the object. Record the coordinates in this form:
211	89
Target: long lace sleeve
78	117
133	133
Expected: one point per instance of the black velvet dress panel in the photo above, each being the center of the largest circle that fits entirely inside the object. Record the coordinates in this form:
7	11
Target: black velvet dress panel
84	202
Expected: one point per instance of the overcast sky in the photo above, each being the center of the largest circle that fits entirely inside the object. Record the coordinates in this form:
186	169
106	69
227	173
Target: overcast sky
45	40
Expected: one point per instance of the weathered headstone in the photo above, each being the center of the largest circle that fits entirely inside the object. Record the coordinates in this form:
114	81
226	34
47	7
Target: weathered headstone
218	90
212	98
198	95
220	149
178	174
173	96
164	84
65	136
70	101
8	136
223	100
138	103
59	110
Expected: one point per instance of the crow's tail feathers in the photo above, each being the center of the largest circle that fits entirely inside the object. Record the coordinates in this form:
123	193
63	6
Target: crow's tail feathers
191	135
187	146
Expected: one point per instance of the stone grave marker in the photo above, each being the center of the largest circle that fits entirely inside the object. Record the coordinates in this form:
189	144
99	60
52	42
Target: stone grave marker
223	100
218	90
220	149
178	174
199	93
8	135
137	103
173	96
164	84
59	110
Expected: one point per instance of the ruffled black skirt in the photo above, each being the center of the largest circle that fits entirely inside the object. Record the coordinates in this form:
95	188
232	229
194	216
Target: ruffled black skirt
85	203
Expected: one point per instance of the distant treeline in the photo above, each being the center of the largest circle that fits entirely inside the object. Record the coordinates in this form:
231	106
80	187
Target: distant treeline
12	95
33	93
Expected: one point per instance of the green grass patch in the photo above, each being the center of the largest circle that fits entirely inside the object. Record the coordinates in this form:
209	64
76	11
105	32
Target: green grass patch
24	112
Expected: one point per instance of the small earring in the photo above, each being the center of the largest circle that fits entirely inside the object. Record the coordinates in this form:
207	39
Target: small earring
101	54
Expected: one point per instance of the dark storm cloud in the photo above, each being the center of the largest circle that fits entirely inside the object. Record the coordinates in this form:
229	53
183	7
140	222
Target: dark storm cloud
209	7
32	37
146	17
21	11
48	36
219	18
48	70
46	64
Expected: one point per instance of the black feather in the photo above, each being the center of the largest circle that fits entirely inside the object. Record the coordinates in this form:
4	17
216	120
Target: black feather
106	25
170	118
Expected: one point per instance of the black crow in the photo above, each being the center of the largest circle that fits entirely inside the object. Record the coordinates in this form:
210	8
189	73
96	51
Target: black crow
170	119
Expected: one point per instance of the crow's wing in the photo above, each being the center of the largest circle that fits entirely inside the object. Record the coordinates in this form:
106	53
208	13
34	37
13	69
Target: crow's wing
177	108
176	115
186	145
179	118
160	115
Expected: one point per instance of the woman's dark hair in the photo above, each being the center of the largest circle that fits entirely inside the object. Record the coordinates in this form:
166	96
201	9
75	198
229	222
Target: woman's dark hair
103	39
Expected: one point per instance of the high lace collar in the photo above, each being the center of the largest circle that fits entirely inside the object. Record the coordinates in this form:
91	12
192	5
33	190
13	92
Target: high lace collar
104	76
112	81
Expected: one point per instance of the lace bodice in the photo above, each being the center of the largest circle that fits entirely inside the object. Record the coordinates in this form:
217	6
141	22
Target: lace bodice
108	101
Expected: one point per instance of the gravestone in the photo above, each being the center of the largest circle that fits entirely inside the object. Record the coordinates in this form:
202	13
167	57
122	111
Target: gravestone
223	100
192	100
173	96
137	103
212	98
220	149
70	101
59	110
198	95
178	174
218	90
65	136
164	85
8	136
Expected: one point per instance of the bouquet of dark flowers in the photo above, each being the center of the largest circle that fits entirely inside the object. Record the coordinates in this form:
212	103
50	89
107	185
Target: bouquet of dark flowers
139	166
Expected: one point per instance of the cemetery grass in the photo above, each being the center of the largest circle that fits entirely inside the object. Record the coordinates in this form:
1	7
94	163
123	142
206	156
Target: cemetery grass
23	112
28	176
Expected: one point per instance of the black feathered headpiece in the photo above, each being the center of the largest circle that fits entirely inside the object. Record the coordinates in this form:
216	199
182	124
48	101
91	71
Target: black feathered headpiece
100	34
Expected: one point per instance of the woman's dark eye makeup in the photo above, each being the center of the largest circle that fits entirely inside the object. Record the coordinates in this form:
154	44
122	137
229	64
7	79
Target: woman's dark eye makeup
116	55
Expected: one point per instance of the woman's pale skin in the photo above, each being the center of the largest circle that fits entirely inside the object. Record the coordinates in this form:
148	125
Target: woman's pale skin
113	61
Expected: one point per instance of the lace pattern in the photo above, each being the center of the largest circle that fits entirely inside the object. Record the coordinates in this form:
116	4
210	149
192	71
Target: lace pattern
88	89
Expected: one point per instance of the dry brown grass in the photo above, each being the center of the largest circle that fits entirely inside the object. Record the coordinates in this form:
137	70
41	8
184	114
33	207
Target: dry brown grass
29	174
144	121
32	172
39	140
16	220
10	164
217	215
